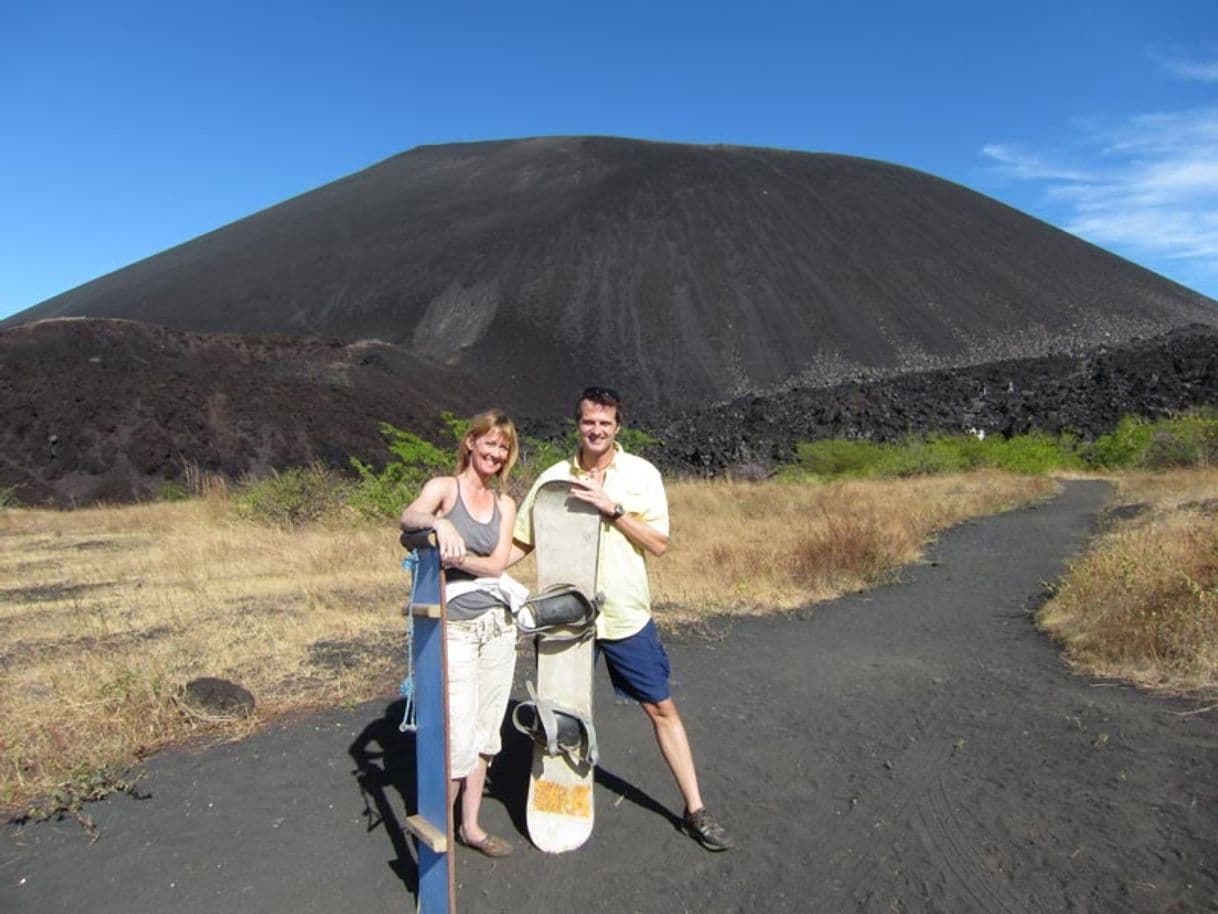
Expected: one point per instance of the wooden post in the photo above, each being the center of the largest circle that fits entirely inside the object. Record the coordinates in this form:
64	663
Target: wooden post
432	825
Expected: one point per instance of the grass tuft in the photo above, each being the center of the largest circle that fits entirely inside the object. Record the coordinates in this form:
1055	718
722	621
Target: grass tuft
296	496
1142	602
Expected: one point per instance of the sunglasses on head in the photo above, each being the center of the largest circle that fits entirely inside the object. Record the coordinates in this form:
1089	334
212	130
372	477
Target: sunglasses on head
600	393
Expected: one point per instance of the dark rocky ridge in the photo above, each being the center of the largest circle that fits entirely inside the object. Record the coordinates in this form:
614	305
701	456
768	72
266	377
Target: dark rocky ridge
110	410
688	274
103	410
1085	394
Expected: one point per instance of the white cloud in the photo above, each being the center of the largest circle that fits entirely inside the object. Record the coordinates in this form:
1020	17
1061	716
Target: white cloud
1016	162
1199	70
1146	185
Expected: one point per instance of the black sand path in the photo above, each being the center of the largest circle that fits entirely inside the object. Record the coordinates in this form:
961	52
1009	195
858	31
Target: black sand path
916	748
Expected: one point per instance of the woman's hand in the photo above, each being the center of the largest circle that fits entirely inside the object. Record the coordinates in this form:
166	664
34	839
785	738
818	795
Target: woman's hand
450	543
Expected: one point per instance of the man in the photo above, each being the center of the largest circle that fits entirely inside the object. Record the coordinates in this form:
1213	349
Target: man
628	492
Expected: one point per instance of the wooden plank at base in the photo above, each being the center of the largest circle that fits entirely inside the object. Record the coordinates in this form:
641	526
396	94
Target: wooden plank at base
433	837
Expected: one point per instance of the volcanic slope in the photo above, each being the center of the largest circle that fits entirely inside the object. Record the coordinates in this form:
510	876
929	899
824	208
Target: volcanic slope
110	410
684	274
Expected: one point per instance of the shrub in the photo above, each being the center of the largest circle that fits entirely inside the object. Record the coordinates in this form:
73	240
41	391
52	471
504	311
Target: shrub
295	496
1185	441
923	456
1033	453
8	496
536	454
1122	447
385	493
1142	601
1190	439
836	457
172	490
633	440
1168	451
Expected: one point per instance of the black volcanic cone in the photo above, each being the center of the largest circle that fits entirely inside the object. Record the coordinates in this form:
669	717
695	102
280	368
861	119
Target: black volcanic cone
684	274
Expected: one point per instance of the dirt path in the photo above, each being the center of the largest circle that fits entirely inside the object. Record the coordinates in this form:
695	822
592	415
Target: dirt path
916	748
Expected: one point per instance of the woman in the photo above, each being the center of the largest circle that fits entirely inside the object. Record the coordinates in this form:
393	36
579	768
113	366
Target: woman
473	517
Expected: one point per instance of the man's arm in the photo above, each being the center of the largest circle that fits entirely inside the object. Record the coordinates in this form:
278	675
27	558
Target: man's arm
519	551
640	533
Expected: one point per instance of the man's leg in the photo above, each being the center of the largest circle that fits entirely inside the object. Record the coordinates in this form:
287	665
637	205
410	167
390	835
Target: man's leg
638	666
674	746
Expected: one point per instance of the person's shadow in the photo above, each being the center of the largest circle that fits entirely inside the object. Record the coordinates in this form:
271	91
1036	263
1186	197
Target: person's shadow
385	763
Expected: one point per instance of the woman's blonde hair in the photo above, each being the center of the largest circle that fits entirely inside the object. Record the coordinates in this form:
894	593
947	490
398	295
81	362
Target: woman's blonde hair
493	420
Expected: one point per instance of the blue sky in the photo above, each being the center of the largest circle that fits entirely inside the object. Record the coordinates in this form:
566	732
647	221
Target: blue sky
129	127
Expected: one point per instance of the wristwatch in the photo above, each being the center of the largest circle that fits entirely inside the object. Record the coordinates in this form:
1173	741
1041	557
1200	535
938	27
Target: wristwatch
618	511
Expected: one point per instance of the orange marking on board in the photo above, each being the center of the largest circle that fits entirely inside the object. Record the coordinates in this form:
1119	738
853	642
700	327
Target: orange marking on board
563	800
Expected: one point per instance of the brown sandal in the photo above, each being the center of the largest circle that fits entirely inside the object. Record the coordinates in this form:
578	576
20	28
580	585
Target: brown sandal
489	845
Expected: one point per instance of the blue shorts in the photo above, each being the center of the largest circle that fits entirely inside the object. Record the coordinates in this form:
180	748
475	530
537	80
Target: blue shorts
638	665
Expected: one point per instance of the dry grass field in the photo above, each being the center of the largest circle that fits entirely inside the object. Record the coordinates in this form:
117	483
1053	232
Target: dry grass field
748	548
107	612
1142	602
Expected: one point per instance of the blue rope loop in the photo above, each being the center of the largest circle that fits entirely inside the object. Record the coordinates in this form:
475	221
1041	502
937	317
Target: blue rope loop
409	724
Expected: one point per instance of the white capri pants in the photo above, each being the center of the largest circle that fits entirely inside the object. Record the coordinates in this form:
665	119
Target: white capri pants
481	661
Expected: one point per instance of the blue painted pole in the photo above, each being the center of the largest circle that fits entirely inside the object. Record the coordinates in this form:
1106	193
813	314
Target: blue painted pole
432	825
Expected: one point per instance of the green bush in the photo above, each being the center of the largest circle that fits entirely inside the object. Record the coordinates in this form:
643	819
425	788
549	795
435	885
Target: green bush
1189	439
295	496
933	454
536	455
1167	451
1033	453
387	492
836	457
1184	441
1122	447
924	457
8	497
632	440
172	490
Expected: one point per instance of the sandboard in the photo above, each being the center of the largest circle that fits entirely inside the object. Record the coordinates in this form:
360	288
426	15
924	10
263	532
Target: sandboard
432	824
566	536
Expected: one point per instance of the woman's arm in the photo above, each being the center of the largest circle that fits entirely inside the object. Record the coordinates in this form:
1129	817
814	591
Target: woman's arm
437	496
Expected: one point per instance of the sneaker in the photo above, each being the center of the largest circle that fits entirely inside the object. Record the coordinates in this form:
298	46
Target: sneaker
706	831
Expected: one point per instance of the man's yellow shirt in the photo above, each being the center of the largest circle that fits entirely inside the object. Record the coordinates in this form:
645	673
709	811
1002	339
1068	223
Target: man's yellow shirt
621	568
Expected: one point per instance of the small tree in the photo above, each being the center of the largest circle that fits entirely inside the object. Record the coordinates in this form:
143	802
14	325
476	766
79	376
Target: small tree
387	492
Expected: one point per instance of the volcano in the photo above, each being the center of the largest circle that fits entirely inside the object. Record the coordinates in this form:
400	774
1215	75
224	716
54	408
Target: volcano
685	274
514	273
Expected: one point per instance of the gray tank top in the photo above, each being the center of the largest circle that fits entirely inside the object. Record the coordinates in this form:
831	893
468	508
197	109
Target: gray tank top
480	539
